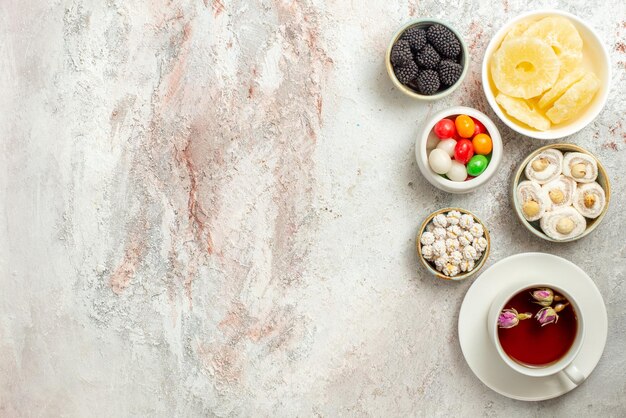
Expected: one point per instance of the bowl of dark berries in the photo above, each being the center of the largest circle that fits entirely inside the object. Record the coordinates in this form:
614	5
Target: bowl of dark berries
427	59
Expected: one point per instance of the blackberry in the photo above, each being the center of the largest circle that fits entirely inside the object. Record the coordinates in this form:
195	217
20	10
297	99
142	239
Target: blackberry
443	40
407	73
427	58
449	72
416	38
428	82
401	53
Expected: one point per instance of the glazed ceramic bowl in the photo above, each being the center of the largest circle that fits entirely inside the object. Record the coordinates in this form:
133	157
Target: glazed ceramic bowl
421	151
425	23
595	57
431	268
533	227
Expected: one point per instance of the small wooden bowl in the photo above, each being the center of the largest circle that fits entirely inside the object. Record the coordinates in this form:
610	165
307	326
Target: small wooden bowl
602	180
477	266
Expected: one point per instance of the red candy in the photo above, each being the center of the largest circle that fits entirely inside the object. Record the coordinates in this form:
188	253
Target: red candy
463	151
445	129
479	128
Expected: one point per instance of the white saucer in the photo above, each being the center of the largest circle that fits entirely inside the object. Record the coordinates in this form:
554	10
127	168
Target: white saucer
479	352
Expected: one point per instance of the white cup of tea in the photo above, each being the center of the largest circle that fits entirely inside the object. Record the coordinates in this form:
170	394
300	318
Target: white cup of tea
530	348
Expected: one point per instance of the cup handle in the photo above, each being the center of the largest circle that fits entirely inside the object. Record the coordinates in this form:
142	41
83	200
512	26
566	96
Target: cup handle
574	374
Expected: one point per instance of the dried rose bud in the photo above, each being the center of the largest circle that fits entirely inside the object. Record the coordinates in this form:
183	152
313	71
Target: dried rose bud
547	316
560	306
543	297
509	318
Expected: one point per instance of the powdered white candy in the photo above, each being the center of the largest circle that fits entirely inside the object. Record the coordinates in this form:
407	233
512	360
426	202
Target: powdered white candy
466	221
564	223
466	265
464	241
457	172
454	231
440	220
439	161
477	230
560	191
440	232
581	167
589	200
452	244
455	257
545	167
454	216
450	270
469	253
480	244
440	262
427	252
534	201
469	237
439	248
447	145
427	238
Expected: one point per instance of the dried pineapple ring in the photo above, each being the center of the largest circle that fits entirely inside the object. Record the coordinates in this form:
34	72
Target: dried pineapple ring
560	191
581	167
533	199
590	200
524	67
563	223
574	99
545	167
563	38
523	111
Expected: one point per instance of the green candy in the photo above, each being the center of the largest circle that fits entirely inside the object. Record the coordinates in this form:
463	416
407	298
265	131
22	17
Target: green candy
477	165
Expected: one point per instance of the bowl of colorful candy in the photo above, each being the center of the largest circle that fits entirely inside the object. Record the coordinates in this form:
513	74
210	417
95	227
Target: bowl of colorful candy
459	149
427	59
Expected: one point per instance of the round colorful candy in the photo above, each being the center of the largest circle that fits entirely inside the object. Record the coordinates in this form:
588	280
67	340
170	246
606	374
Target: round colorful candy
477	165
457	171
479	128
482	144
464	126
445	129
439	161
463	151
448	146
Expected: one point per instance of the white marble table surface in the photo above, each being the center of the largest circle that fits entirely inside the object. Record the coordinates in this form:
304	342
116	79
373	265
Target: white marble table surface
208	208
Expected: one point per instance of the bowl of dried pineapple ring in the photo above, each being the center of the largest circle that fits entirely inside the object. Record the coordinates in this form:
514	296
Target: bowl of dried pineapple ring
546	74
561	192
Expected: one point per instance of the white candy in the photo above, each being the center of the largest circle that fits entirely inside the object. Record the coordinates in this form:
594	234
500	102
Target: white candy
440	262
477	230
467	265
464	241
427	238
440	232
466	221
439	248
454	231
452	244
448	145
454	216
450	270
458	171
468	236
439	161
440	220
480	244
455	258
470	253
427	252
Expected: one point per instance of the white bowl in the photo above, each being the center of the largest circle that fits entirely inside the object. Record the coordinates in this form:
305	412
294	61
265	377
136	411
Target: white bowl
425	23
445	184
597	56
